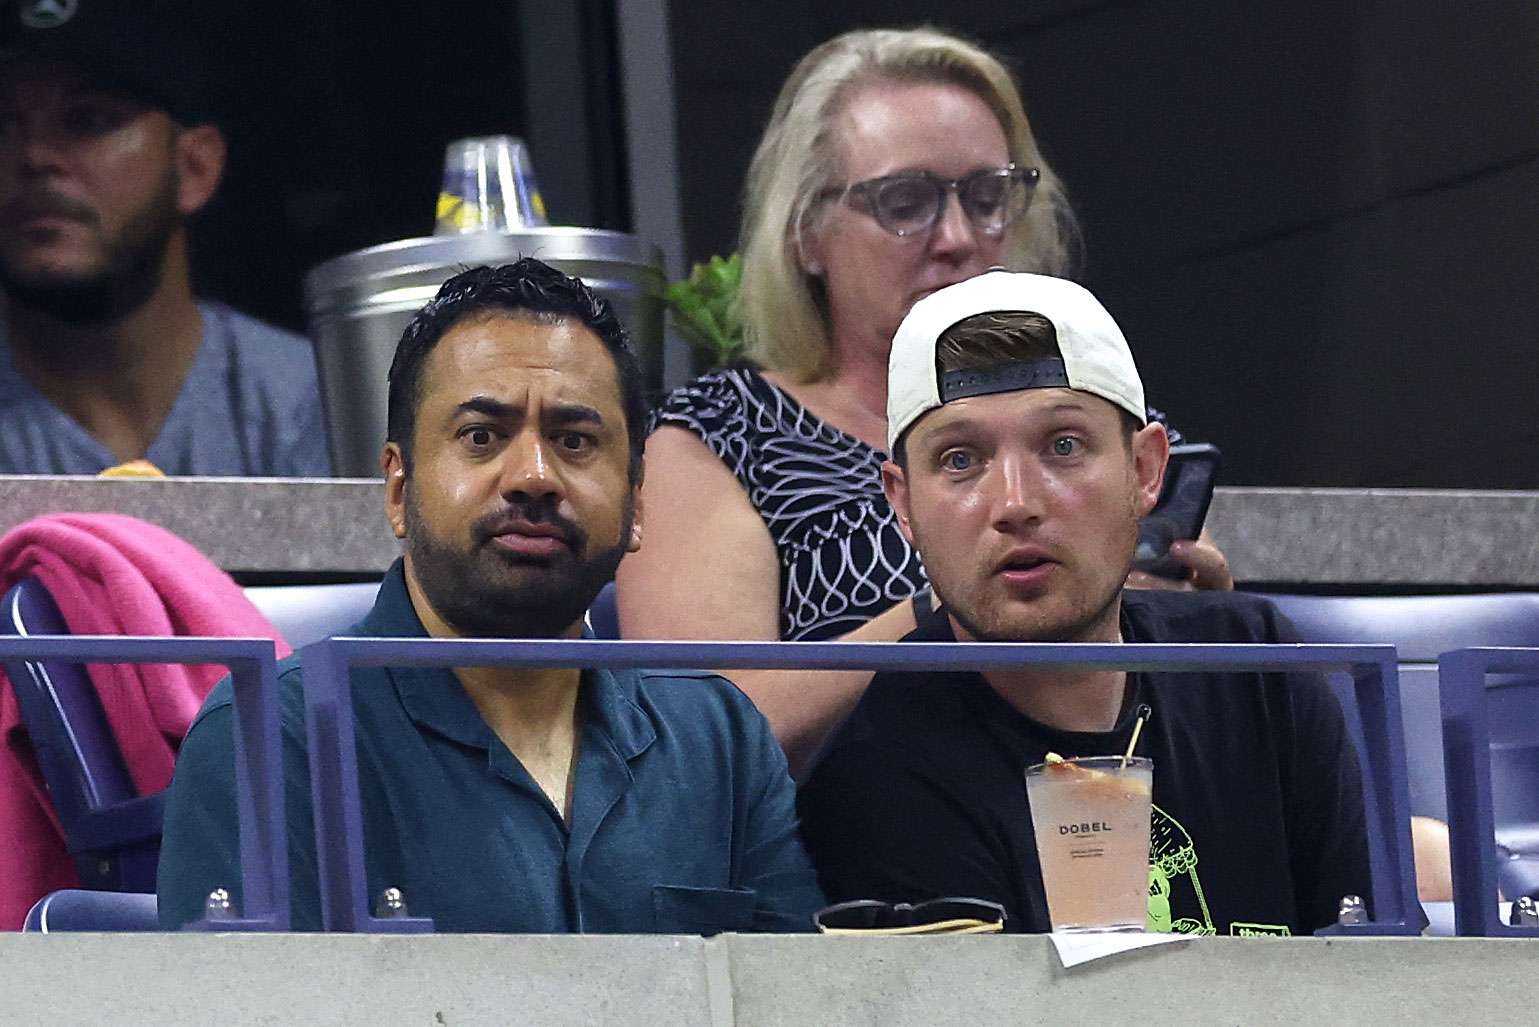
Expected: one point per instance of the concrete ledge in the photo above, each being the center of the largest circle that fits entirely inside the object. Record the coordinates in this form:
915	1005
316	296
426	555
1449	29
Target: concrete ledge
908	982
272	526
236	980
1380	537
1400	538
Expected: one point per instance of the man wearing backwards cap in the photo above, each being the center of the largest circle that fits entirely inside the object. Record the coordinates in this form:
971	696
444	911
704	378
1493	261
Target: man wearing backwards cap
106	355
1023	461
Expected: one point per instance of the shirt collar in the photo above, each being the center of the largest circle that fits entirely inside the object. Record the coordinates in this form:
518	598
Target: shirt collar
933	626
614	710
435	700
393	615
936	627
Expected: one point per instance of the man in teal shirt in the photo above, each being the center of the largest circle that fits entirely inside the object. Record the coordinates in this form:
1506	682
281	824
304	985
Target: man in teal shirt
505	799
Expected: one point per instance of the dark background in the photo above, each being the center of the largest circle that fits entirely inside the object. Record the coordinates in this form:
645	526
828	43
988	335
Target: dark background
338	111
1317	222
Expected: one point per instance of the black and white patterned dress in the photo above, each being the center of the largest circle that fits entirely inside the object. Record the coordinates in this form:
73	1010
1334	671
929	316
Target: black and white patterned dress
842	558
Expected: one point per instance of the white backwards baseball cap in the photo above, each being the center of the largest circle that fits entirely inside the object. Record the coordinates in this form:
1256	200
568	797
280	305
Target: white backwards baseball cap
1096	358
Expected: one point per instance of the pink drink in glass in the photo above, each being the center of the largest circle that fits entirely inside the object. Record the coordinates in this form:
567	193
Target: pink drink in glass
1091	817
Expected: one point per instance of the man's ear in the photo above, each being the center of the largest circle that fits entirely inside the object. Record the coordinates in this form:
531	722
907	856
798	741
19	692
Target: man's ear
200	158
1151	450
393	462
895	485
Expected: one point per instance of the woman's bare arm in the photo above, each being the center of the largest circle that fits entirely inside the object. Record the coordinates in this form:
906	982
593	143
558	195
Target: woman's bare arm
707	569
805	706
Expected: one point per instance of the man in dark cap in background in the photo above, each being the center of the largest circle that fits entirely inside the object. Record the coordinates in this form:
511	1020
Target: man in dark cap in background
106	355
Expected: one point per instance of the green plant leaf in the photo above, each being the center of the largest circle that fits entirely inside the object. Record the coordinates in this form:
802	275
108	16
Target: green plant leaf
704	307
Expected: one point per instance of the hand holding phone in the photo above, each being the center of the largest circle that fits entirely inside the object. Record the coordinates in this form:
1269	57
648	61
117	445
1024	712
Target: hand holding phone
1188	490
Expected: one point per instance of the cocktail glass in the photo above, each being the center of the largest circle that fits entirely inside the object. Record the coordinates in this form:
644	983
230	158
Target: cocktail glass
1091	818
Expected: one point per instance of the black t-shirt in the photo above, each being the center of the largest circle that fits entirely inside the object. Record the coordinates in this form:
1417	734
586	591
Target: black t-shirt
1258	823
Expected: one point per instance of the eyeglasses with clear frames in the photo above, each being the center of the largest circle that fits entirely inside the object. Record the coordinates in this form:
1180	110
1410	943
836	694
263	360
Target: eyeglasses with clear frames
910	202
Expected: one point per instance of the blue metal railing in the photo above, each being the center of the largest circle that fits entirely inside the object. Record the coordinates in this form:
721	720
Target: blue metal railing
258	758
1467	773
333	753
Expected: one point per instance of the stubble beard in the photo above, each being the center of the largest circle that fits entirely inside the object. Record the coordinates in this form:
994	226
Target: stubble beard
485	593
1084	622
1092	618
126	277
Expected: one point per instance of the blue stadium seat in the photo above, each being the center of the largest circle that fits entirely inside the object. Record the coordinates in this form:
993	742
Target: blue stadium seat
1422	628
308	613
113	834
79	910
1512	709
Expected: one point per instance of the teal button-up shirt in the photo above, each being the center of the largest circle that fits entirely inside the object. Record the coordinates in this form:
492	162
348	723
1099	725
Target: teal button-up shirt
682	816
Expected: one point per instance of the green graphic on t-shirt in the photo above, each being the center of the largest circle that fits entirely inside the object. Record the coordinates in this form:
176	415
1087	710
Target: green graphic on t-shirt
1244	930
1172	859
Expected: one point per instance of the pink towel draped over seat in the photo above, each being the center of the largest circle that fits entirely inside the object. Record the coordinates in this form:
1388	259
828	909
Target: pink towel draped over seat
110	575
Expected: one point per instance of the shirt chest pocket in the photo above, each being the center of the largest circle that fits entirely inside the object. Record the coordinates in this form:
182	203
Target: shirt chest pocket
680	910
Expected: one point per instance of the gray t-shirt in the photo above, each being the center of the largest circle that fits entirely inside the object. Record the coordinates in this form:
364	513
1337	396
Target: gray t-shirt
251	406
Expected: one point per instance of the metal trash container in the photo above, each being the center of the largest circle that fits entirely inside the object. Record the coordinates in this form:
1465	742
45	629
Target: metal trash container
359	303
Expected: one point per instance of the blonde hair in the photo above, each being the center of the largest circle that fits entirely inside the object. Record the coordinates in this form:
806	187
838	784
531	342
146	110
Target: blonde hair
782	308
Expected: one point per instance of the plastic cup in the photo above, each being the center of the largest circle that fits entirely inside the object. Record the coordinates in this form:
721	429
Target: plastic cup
1091	819
488	186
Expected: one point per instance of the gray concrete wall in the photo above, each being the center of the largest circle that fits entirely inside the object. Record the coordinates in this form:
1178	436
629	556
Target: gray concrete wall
1331	537
238	980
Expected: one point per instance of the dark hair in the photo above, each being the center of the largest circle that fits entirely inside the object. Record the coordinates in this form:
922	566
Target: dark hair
531	289
985	341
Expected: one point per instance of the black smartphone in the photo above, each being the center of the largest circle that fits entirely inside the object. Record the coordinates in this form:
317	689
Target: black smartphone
1183	506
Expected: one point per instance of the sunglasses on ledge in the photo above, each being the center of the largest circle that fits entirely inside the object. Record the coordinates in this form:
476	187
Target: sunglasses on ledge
910	202
937	916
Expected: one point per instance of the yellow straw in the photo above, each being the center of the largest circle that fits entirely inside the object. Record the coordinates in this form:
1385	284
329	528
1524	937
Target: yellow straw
1138	726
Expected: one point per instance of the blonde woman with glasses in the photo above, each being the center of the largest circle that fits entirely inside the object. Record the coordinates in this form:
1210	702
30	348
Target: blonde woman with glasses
895	163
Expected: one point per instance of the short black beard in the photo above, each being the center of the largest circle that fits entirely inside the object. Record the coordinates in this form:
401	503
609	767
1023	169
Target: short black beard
125	282
549	597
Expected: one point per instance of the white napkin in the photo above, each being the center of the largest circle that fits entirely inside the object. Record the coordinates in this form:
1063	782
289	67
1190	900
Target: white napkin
1074	949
